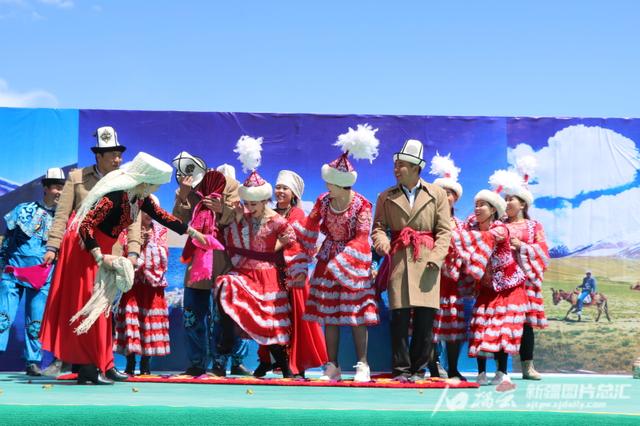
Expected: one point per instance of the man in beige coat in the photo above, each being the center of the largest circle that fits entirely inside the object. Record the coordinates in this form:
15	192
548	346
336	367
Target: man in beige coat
108	154
417	216
197	296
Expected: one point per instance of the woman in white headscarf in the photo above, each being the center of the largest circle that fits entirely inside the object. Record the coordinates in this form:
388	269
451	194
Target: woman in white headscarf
307	348
112	205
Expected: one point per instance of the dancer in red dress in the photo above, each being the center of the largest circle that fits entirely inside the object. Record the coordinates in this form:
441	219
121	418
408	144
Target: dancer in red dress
253	295
449	325
341	287
111	206
142	317
307	349
530	250
501	305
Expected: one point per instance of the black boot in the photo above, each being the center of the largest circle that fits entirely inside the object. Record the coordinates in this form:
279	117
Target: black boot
263	369
228	338
90	374
33	370
131	365
279	353
144	365
116	376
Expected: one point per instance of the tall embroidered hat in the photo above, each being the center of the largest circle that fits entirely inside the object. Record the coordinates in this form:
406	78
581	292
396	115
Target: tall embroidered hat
189	165
107	140
445	168
254	187
360	143
54	176
411	152
525	166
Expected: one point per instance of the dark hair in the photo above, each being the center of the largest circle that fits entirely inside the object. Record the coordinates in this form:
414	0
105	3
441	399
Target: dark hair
525	210
294	200
346	188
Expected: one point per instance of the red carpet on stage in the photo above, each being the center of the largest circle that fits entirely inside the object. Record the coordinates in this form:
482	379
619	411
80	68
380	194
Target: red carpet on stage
375	383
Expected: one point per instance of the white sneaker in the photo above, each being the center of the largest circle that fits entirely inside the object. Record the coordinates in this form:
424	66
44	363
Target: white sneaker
482	379
331	373
363	373
499	378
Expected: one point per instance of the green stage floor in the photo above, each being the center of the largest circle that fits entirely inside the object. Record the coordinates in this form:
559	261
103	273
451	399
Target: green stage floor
558	399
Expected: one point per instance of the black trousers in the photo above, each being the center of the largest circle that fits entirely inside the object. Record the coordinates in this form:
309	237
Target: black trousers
409	359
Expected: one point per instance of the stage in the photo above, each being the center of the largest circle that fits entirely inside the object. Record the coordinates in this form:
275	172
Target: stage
558	399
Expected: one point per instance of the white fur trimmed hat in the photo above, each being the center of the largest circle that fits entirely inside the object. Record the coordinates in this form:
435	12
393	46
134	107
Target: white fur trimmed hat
525	166
494	199
411	152
360	143
255	188
293	181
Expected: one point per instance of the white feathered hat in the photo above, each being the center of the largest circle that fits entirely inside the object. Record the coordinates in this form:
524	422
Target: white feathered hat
526	167
144	168
500	180
360	144
445	168
254	187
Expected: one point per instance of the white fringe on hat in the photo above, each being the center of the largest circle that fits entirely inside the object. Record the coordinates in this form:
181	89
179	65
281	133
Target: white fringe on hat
144	168
109	284
499	180
445	168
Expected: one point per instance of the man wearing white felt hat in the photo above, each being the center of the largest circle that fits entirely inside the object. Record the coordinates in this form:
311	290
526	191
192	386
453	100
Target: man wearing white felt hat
108	157
417	215
23	248
190	171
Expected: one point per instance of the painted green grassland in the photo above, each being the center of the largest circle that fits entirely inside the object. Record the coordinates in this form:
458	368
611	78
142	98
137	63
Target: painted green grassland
602	347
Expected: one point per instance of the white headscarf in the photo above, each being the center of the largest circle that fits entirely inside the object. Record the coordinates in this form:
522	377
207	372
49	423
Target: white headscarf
293	181
143	169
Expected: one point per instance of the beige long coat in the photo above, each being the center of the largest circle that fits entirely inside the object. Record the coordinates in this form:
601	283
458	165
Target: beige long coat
411	284
76	187
184	211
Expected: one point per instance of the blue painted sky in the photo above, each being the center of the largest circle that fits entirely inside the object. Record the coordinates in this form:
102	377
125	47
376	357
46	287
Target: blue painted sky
536	58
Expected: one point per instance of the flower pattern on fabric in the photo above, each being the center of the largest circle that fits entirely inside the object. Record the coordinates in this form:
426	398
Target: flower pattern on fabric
189	318
113	213
31	218
33	329
5	322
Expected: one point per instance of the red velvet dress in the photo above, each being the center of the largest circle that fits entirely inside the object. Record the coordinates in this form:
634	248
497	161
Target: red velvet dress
75	273
449	324
501	305
342	292
533	258
307	348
